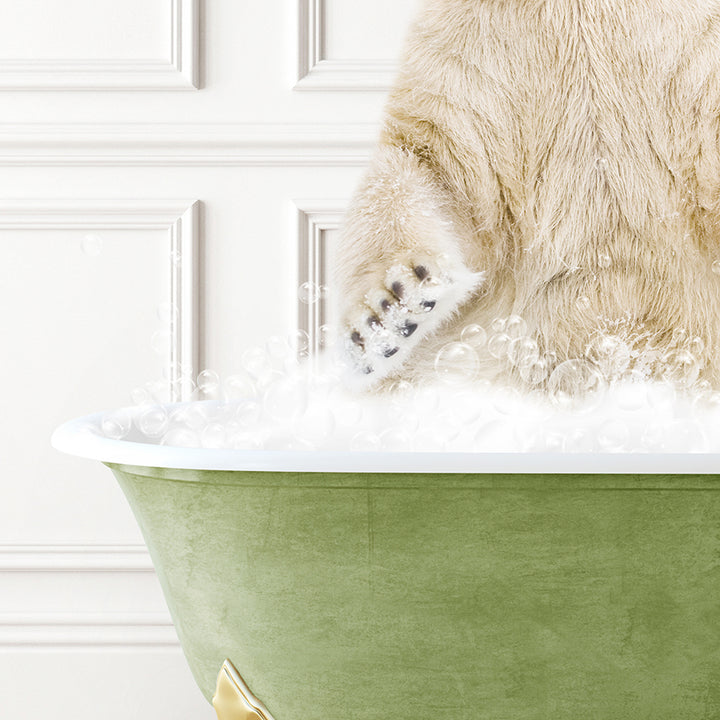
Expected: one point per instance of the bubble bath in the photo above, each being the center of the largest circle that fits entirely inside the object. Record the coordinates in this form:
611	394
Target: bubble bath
604	402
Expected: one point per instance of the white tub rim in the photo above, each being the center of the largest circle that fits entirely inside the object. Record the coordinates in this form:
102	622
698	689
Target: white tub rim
76	438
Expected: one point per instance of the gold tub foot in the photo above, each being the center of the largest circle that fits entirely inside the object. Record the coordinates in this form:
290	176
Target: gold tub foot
233	699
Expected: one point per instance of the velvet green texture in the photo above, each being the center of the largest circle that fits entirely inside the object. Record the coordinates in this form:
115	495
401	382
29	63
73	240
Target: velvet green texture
466	597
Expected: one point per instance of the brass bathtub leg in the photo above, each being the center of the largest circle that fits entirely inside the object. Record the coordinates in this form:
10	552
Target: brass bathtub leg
233	699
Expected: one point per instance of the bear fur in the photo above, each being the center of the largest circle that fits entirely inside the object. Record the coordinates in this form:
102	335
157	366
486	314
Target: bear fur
553	159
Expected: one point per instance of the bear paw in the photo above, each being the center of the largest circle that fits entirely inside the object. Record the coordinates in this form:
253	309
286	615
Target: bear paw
412	300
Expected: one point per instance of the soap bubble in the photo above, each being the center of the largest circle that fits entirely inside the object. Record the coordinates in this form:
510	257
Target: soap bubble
456	363
213	435
278	348
246	441
498	325
116	424
316	426
632	392
583	303
613	435
92	244
238	387
153	421
580	440
160	342
365	441
181	437
302	343
515	327
208	381
604	260
610	354
696	347
523	351
499	345
396	440
248	413
255	361
475	336
576	385
327	335
681	368
286	399
167	313
535	372
716	267
309	293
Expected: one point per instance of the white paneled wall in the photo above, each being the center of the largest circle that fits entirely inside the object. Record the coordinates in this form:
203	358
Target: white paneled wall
194	154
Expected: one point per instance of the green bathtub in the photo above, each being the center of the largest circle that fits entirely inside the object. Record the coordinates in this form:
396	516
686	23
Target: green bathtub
361	594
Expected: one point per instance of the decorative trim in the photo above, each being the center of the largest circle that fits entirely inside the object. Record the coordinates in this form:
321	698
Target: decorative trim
316	72
178	72
233	699
314	217
75	558
180	219
162	145
56	628
86	630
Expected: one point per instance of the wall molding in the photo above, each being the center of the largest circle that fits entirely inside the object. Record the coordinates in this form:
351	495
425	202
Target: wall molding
314	218
317	72
178	72
180	219
94	569
163	144
132	558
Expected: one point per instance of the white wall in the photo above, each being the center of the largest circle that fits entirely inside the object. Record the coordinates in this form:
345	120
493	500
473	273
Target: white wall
151	151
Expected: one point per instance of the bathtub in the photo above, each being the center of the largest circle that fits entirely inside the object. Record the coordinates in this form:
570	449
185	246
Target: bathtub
360	586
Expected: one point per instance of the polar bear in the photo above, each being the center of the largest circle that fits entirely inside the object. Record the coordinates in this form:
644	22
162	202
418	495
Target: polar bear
555	160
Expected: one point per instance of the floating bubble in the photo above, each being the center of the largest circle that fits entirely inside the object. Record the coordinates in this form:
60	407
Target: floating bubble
208	380
475	336
716	267
632	393
92	244
535	372
160	342
167	313
327	336
457	363
181	437
499	345
696	347
302	343
153	421
365	441
255	360
286	399
396	440
583	303
613	435
681	368
213	435
576	385
248	413
316	426
238	387
604	260
610	354
523	351
498	325
515	327
309	293
278	348
116	424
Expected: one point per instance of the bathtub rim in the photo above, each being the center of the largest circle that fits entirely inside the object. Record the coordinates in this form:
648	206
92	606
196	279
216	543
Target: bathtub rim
76	437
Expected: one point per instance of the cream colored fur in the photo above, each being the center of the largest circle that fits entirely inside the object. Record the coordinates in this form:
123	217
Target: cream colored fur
545	151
